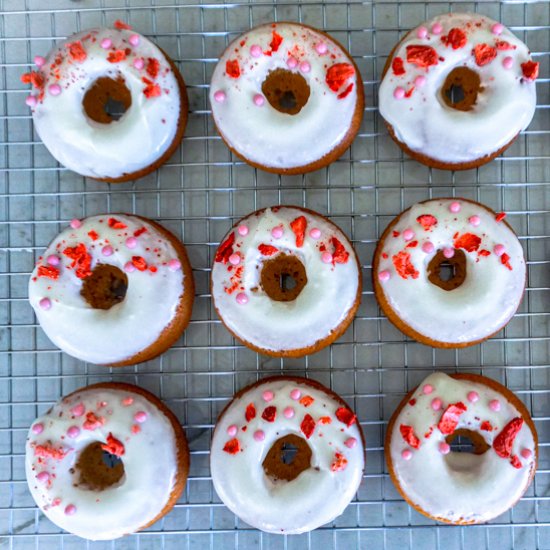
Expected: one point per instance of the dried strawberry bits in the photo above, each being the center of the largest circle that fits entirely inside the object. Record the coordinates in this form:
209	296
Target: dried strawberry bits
291	436
433	469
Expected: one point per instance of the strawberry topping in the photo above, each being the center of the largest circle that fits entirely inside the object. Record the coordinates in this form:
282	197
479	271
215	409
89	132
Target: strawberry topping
500	216
153	67
116	224
307	426
422	56
152	90
338	74
345	416
77	52
267	249
324	420
121	25
403	265
81	260
340	462
486	426
48	271
484	54
456	38
468	241
298	226
503	45
47	451
505	259
232	447
397	66
117	56
93	422
530	70
93	235
515	462
269	414
307	400
346	92
340	255
449	419
232	68
34	78
427	221
113	446
225	249
407	433
275	41
250	412
139	263
505	439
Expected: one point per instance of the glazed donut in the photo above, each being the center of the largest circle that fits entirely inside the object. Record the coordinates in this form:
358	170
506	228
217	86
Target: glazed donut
113	289
286	281
79	82
106	461
484	284
457	90
287	98
461	487
287	494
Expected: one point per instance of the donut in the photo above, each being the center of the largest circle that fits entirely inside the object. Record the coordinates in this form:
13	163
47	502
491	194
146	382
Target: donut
107	460
287	455
85	82
449	272
457	90
287	98
113	289
468	486
286	281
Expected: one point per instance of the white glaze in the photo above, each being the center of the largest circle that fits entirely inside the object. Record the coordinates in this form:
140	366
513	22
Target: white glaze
490	294
460	486
140	137
264	135
427	125
150	464
113	335
318	494
323	304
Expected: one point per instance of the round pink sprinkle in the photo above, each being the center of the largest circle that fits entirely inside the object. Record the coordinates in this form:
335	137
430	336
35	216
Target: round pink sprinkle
174	265
288	412
437	28
43	477
295	394
129	267
277	232
448	252
526	453
508	62
422	32
474	220
399	92
315	233
220	96
70	510
497	28
140	416
78	410
326	257
406	454
455	207
444	448
107	250
494	405
267	396
131	242
127	401
384	276
73	432
259	435
419	81
473	396
408	234
232	430
106	43
292	62
436	404
38	428
255	50
259	100
52	259
428	247
243	230
321	48
139	63
427	389
45	304
56	501
75	224
39	61
499	249
350	442
305	67
242	298
31	101
134	40
235	259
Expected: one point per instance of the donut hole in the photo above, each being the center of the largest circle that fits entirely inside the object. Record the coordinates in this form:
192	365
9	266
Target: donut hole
467	441
447	273
287	458
287	92
105	287
97	470
283	278
107	99
461	88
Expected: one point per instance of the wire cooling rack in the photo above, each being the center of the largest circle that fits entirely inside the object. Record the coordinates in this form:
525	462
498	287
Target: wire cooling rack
198	195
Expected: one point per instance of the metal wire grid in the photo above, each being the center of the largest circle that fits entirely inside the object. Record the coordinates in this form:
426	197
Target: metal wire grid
198	195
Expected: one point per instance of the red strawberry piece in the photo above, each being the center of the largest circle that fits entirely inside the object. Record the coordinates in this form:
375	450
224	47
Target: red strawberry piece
412	244
298	227
397	66
340	255
116	224
505	259
486	426
152	90
530	70
344	415
500	216
232	68
225	249
269	414
232	447
276	41
483	253
449	419
117	56
48	451
34	78
412	402
338	74
120	25
484	54
81	260
93	235
422	56
407	433
250	412
139	263
324	420
153	67
403	265
307	400
307	426
515	462
113	446
427	221
467	241
346	92
77	52
267	249
505	439
93	422
48	271
456	38
140	231
503	45
339	464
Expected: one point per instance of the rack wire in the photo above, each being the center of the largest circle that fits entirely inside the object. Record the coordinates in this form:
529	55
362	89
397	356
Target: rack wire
198	194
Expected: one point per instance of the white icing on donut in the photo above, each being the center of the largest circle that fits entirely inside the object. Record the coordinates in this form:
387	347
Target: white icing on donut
320	493
460	486
425	123
140	137
154	291
259	132
150	462
494	284
323	304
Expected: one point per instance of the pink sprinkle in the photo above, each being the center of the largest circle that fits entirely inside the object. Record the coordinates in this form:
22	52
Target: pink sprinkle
473	396
437	28
497	28
140	416
255	50
474	220
220	96
321	48
350	442
295	394
235	259
408	234
139	63
315	233
70	510
242	298
39	61
494	405
259	435
428	247
427	389
131	242
56	501
436	404
43	477
508	62
129	267
292	62
455	207
448	252
419	81
406	454
526	453
277	232
78	410
499	249
75	224
52	259
326	257
288	412
232	430
45	304
399	92
174	265
106	43
267	396
259	100
422	32
243	230
305	67
38	428
127	401
384	276
444	448
107	250
73	432
134	40
31	101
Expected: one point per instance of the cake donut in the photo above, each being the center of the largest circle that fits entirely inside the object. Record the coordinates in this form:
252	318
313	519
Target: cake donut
286	281
461	487
449	272
84	79
106	461
457	90
113	289
287	98
254	471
